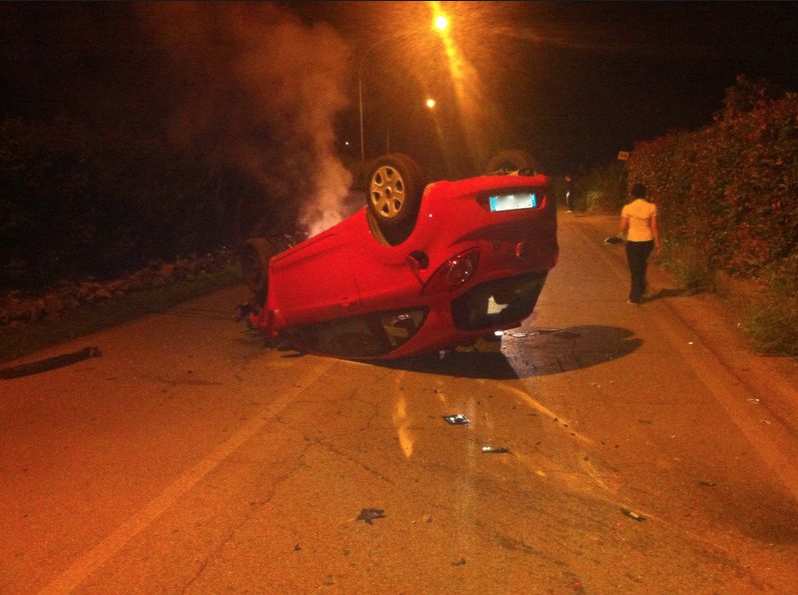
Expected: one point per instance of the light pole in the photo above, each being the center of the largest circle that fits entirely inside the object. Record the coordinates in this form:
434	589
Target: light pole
360	86
441	23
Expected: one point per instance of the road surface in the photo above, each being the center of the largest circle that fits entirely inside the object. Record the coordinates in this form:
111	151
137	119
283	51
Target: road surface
635	450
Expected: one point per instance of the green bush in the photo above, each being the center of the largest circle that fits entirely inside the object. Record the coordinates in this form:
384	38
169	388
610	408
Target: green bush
772	323
728	201
602	190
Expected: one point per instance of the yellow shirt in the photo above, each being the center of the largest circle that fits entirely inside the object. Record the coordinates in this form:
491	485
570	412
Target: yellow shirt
639	212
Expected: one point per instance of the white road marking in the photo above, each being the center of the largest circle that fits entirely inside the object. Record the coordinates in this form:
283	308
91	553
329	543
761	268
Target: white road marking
113	543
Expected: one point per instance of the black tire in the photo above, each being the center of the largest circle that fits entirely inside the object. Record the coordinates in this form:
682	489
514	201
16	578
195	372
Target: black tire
511	161
395	187
254	259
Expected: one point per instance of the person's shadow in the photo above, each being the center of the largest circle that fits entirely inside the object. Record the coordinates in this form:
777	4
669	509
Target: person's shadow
674	292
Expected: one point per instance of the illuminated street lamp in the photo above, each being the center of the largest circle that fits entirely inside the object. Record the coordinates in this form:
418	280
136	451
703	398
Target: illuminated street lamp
441	23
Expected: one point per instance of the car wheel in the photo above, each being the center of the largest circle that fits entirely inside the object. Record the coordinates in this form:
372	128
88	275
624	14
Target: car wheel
510	161
395	187
254	259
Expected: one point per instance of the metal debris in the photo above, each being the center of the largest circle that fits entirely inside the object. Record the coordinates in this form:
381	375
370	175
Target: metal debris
633	515
494	449
369	515
457	419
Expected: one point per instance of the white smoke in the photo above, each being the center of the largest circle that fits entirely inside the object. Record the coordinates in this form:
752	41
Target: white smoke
262	91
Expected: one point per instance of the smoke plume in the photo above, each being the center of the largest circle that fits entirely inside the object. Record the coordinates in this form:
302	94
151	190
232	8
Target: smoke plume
260	90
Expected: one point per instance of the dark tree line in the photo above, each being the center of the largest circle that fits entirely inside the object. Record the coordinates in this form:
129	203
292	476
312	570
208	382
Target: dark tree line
77	203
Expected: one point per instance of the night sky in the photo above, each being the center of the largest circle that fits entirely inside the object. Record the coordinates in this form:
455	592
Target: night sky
572	82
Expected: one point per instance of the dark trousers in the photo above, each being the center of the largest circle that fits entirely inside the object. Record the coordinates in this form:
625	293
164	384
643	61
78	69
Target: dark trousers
637	254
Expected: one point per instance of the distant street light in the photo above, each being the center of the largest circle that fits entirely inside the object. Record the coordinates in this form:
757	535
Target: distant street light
441	23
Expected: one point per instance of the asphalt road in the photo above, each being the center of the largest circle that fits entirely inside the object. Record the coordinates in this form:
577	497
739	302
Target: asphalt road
639	450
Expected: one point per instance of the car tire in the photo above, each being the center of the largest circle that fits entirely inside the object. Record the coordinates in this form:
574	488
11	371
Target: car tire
254	260
511	161
395	186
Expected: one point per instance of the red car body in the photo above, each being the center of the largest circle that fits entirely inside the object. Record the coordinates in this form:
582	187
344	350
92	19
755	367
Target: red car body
464	272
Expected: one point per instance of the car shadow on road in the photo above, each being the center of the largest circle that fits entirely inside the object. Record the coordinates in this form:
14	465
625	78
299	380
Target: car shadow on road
528	352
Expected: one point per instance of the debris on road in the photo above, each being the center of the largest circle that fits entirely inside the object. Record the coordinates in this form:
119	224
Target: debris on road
632	514
457	419
369	515
494	449
51	363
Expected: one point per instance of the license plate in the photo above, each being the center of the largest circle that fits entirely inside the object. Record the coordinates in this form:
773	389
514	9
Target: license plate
512	202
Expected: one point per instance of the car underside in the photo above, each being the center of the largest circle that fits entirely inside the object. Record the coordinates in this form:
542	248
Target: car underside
470	259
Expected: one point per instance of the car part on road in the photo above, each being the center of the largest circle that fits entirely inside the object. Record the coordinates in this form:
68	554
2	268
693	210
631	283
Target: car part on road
369	515
633	515
457	419
50	363
494	449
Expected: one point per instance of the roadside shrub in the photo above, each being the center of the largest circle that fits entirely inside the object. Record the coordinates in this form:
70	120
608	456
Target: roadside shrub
728	201
602	189
78	203
771	324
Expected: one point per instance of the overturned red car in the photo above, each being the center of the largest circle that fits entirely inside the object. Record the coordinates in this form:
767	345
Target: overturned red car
420	269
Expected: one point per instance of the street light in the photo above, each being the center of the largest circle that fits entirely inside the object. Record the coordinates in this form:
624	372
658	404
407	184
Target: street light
441	23
360	84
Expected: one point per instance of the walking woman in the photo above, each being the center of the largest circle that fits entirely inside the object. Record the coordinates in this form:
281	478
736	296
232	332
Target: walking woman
639	221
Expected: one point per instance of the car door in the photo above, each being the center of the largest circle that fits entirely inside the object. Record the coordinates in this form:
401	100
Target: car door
314	281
